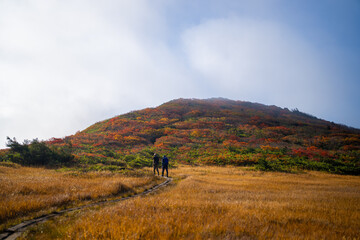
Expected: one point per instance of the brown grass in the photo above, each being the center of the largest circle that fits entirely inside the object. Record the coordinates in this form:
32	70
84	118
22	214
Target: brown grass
226	203
27	190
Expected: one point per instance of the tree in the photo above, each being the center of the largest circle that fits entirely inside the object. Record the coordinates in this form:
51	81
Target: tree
37	153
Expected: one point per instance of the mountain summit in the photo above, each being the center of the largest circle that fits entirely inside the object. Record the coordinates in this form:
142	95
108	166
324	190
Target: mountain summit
220	131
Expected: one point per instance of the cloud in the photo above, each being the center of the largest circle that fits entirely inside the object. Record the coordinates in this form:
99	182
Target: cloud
65	65
257	60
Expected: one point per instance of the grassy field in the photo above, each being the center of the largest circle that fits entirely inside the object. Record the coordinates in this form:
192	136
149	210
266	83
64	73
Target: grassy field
224	203
28	192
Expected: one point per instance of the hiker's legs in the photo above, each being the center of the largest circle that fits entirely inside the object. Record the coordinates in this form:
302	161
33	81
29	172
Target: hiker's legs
162	172
156	167
167	173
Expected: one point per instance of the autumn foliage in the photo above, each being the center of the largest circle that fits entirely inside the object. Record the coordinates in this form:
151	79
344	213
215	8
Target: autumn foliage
220	132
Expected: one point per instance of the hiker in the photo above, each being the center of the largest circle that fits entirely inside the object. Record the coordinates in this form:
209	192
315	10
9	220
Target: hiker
156	163
165	165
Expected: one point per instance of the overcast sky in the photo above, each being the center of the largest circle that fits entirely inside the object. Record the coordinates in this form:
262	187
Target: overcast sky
67	64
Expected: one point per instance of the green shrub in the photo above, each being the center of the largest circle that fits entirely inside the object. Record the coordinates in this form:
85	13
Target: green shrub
37	153
9	164
138	161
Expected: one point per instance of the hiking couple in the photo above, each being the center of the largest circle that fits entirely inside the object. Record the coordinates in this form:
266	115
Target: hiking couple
164	163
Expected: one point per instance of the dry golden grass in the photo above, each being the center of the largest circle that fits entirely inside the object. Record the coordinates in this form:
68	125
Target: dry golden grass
27	190
226	203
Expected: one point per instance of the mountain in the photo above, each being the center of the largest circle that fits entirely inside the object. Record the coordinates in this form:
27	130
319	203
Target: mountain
220	131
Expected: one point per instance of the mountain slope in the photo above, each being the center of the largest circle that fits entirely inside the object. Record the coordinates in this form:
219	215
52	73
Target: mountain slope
220	131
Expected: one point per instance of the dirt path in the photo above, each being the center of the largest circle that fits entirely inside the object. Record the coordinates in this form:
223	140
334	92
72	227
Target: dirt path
16	231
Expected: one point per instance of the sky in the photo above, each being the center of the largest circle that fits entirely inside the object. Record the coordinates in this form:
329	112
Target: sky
66	64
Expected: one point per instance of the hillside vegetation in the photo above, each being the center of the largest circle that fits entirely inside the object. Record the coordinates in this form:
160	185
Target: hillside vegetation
217	132
220	132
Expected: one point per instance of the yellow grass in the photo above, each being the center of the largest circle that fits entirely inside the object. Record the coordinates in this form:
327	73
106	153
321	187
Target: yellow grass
226	203
27	190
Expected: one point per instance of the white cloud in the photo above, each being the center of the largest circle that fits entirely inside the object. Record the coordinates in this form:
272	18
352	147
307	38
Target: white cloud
65	65
258	61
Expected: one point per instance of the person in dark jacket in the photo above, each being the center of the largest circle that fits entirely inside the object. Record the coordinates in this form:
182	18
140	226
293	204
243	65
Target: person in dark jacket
156	160
165	165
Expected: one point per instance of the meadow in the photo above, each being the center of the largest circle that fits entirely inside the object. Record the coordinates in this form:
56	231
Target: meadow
26	192
224	203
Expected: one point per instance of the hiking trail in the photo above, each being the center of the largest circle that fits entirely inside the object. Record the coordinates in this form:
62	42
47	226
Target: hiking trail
17	230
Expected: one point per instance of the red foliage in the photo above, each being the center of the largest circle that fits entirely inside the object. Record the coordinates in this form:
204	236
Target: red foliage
212	128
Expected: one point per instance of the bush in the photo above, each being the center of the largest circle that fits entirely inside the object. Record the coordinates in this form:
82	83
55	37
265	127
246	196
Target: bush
37	153
276	165
9	164
138	161
288	164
